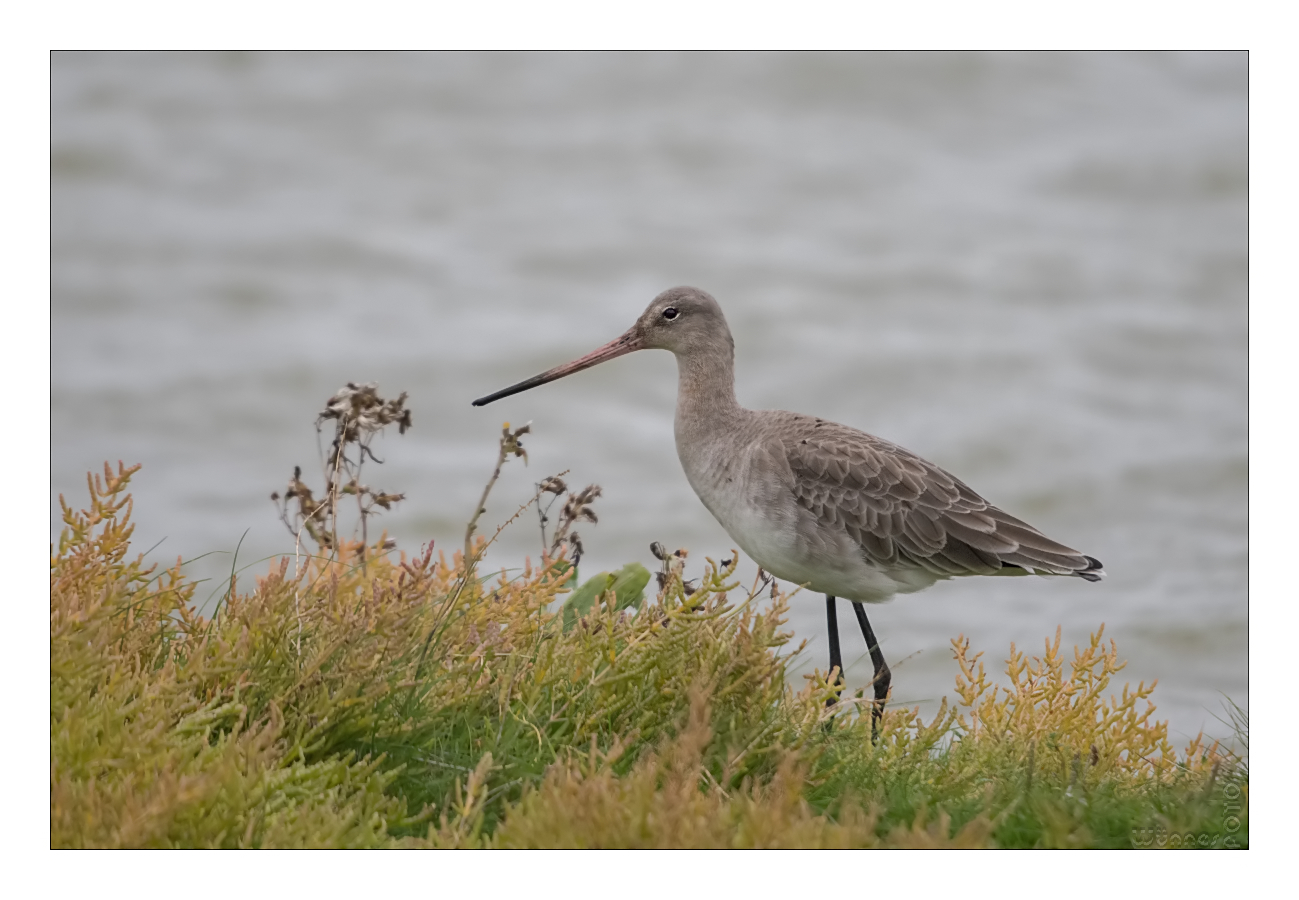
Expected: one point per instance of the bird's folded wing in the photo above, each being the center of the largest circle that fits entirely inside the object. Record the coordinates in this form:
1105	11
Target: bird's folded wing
902	509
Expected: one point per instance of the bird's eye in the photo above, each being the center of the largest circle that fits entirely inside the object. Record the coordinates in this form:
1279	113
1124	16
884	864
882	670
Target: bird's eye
670	313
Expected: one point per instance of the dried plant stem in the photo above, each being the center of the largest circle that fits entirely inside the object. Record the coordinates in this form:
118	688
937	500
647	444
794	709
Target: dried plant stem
297	592
360	503
760	581
333	497
480	509
555	486
543	517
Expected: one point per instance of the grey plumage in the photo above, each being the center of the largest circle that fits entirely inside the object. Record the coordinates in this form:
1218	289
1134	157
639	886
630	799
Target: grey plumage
838	510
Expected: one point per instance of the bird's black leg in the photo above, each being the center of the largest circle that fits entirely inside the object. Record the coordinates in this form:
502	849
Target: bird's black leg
883	677
836	660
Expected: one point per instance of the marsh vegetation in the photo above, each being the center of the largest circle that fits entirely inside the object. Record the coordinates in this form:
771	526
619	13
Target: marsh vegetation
354	695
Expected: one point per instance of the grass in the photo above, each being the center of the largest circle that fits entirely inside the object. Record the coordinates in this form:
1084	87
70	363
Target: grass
382	700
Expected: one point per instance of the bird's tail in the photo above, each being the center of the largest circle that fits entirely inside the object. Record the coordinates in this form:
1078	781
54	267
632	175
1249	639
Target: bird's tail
1094	571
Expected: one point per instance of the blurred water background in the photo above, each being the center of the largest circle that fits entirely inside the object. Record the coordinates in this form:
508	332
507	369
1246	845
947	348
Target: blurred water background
1031	269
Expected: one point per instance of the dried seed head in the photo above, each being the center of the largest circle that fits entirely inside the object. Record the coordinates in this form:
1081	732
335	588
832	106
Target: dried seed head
510	443
361	412
553	485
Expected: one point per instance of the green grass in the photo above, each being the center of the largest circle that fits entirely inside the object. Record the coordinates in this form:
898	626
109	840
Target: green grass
413	704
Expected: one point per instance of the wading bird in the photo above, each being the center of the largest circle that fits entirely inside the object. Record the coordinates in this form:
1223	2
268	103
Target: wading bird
815	503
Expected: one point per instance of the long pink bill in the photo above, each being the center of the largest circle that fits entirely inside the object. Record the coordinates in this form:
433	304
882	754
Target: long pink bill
622	346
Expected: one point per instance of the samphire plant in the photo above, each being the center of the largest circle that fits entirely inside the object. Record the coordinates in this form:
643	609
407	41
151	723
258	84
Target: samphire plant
386	699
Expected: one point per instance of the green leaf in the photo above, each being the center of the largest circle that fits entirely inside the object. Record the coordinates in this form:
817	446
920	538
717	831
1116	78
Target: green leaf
627	584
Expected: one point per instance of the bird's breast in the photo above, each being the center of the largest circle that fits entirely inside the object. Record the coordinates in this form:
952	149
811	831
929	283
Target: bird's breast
725	477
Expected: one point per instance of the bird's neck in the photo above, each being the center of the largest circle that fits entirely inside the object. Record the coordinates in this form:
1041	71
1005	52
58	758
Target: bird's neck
706	392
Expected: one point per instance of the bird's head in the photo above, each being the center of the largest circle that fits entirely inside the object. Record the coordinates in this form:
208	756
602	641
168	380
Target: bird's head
684	320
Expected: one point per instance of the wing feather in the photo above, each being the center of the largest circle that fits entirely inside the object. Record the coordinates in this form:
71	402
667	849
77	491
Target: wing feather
900	508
